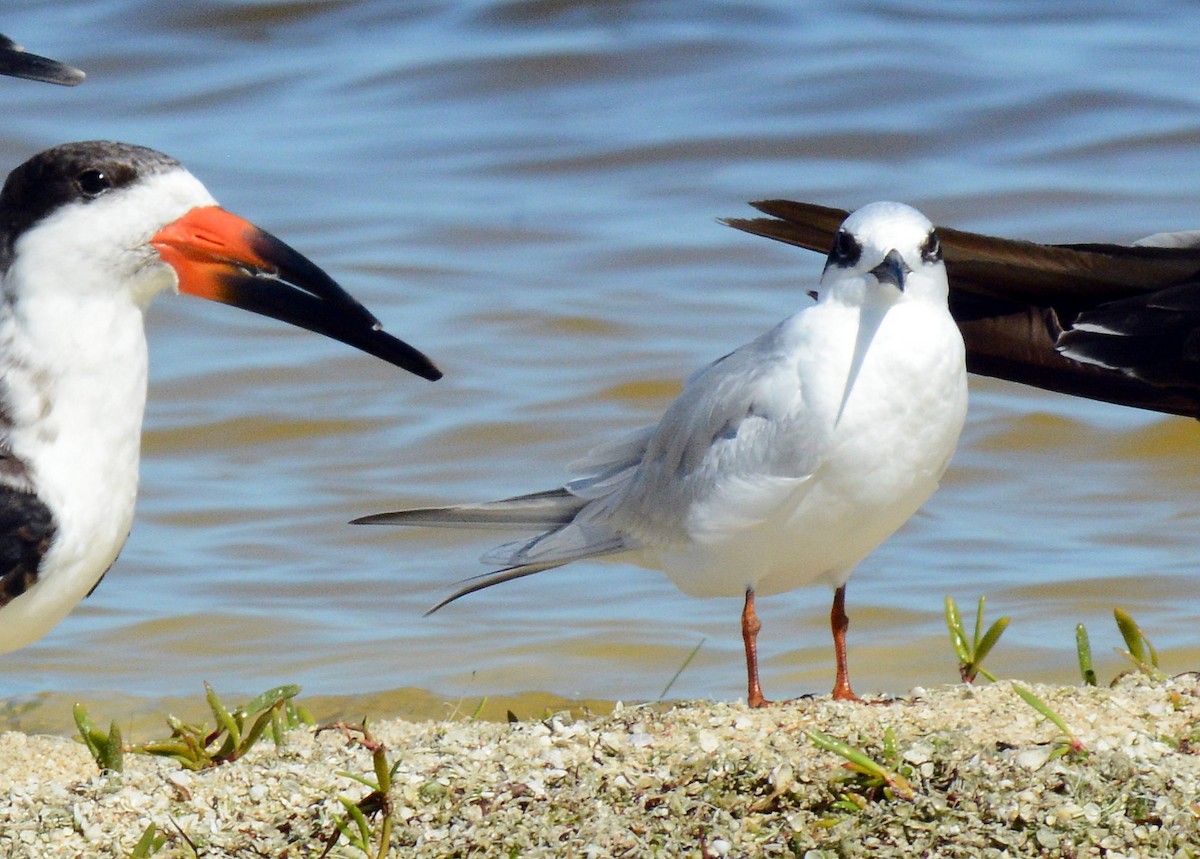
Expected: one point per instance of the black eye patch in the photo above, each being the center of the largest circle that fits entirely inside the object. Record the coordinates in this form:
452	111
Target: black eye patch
846	250
931	250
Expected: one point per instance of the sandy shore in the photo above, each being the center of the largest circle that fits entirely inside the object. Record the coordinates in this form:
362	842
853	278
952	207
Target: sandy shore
690	780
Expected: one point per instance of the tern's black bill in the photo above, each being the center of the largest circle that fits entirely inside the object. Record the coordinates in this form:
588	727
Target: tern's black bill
892	270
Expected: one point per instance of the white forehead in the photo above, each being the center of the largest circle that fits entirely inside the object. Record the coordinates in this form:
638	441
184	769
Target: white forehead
887	225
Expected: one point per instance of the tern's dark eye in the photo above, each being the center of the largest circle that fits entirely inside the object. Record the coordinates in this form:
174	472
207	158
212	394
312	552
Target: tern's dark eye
846	250
931	251
93	183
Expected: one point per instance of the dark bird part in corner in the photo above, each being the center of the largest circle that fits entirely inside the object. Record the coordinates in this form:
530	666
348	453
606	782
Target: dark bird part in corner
1111	322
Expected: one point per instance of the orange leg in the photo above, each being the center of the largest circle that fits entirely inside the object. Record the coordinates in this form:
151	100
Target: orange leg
750	628
839	623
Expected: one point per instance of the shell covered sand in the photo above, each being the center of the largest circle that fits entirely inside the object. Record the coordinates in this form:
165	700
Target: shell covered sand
694	780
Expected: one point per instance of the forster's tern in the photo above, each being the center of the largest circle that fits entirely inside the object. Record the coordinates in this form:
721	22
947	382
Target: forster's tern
782	464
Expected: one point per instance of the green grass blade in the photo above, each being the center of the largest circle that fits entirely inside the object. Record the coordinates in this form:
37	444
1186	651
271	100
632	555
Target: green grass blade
978	628
1042	707
114	759
686	663
958	637
252	736
383	773
149	844
1132	634
224	718
268	699
107	750
361	839
1084	648
1141	652
984	646
363	780
844	750
87	730
861	762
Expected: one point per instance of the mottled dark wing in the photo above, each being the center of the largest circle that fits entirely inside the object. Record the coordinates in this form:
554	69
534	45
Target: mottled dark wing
1109	322
26	529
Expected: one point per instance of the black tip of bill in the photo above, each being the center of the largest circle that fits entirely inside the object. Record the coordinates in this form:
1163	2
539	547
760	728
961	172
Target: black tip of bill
300	293
17	63
340	319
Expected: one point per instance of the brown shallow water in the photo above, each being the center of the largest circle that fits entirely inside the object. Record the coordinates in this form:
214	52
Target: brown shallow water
528	192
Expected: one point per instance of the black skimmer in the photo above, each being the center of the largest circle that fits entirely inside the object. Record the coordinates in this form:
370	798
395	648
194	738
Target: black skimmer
90	233
1112	322
16	62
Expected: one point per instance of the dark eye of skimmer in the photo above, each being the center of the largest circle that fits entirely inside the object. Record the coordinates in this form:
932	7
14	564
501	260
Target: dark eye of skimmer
846	250
931	251
94	182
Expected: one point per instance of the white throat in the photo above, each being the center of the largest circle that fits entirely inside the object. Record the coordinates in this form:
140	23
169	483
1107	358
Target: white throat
73	372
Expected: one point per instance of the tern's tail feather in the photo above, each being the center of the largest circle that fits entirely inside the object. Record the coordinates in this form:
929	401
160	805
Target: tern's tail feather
572	541
569	532
486	580
526	557
536	511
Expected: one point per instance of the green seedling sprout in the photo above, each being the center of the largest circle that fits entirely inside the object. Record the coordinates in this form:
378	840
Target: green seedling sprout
1070	744
107	750
873	775
197	747
1140	651
355	826
192	746
151	842
1084	648
972	651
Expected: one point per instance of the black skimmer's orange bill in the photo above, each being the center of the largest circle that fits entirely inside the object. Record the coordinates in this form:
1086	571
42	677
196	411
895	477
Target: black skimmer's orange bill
1112	322
90	233
16	62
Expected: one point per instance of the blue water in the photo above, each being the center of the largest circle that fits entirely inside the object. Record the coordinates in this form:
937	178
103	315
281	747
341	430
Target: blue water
528	191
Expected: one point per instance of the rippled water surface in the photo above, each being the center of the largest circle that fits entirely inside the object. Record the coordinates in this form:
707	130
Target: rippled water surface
528	191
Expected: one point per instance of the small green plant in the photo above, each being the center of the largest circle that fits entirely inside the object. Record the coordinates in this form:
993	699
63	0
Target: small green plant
1139	649
355	826
106	748
197	746
1069	744
972	651
870	777
1083	647
474	716
151	842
